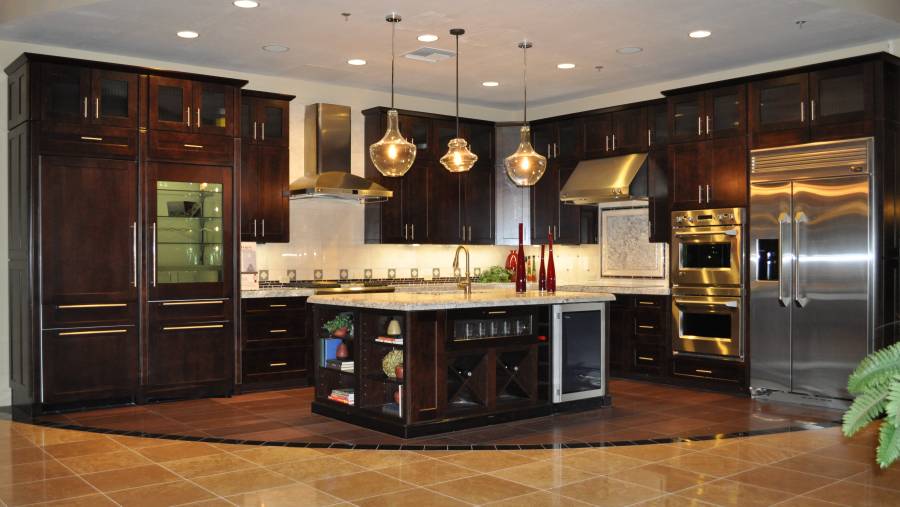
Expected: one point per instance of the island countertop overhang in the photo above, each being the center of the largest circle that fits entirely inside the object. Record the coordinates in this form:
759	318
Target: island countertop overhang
418	301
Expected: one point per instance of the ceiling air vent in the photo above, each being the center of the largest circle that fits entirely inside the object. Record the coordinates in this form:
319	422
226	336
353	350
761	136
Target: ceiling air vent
431	55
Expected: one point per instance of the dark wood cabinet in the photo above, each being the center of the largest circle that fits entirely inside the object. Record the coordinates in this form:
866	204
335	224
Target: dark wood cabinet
84	96
188	356
716	113
657	125
597	131
629	131
184	105
709	174
638	341
623	130
418	130
444	197
779	111
276	347
84	365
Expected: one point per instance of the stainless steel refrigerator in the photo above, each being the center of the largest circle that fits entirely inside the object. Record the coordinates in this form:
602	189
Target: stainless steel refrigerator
812	270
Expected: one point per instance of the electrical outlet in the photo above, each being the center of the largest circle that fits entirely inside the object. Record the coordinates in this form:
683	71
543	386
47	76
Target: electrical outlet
392	273
292	275
317	274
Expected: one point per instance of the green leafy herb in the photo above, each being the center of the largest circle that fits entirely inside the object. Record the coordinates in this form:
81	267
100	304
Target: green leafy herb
494	274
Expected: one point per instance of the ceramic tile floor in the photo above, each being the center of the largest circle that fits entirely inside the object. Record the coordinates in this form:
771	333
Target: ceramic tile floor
640	411
813	468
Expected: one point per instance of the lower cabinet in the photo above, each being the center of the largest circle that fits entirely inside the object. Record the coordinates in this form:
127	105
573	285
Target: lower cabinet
275	345
89	364
189	355
638	342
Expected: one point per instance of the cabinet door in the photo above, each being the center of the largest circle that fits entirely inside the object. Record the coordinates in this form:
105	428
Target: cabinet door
444	131
568	230
115	98
657	126
728	172
685	122
418	131
250	191
478	203
416	202
570	140
842	103
273	119
170	104
689	174
630	131
89	364
394	228
187	353
274	204
481	141
589	227
597	135
214	108
545	205
778	112
88	230
444	198
190	229
65	92
725	113
543	137
660	212
249	125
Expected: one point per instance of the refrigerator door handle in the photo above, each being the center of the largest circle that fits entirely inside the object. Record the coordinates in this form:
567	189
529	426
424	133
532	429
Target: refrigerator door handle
784	298
800	298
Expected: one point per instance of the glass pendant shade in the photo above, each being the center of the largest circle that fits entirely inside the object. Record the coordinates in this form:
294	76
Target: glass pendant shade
458	158
526	166
393	155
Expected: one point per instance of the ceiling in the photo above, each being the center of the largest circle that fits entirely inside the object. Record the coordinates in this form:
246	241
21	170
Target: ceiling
584	32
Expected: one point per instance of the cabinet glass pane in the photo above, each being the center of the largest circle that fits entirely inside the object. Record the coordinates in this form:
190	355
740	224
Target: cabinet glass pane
480	140
170	105
189	232
245	121
212	109
685	118
779	104
444	134
274	122
841	95
726	112
416	131
660	126
113	98
64	95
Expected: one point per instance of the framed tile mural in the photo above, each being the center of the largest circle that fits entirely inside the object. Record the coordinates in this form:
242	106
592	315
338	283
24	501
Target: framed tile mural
624	247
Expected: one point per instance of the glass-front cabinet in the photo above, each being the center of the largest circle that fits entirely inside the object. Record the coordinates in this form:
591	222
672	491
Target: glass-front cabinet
78	95
189	210
183	105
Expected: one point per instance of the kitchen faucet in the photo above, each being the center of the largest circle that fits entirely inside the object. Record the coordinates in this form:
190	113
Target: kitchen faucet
467	285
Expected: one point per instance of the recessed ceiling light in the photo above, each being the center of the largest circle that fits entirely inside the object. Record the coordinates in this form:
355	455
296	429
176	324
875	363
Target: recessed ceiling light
356	61
246	4
490	84
187	34
565	66
427	37
700	34
275	48
630	50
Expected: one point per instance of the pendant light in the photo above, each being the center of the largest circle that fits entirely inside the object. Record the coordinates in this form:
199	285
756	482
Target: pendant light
458	158
526	166
393	155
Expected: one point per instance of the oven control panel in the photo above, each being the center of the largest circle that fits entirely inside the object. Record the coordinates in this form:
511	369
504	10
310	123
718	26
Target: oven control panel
699	218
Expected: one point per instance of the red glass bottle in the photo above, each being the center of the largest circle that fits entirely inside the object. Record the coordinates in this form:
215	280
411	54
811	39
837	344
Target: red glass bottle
551	269
542	275
520	264
511	265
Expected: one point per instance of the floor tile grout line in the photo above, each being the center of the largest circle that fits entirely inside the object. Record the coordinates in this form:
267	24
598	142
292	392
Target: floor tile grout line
75	474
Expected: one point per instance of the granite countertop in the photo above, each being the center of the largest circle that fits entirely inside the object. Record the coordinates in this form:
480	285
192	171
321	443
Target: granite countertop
643	290
444	300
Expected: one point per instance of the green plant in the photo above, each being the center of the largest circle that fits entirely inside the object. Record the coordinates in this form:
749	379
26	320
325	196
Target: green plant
342	321
494	274
876	385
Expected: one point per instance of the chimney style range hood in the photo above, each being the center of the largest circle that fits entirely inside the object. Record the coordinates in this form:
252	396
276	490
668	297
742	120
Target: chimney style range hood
623	178
327	151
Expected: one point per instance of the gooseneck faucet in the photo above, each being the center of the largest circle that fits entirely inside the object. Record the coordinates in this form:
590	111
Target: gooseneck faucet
466	286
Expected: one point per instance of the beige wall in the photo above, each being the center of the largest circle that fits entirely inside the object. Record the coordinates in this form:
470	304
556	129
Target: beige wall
334	228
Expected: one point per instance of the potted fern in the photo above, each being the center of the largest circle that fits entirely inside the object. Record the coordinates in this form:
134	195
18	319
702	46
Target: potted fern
876	387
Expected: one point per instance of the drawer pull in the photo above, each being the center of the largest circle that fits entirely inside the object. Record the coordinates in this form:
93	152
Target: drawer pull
277	306
706	372
644	326
274	331
91	138
273	365
195	146
498	312
186	328
647	303
93	305
646	358
190	303
99	331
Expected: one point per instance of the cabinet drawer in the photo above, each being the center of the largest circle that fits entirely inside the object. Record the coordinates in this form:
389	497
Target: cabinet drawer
89	314
68	139
194	310
648	357
190	148
190	353
274	326
266	304
283	360
649	301
710	369
648	321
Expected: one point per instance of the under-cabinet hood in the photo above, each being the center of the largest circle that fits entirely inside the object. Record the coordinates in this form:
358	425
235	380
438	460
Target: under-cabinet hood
599	180
327	153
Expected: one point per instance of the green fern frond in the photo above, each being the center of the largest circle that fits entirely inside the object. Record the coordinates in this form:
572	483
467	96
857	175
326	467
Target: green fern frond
865	409
892	406
875	370
888	445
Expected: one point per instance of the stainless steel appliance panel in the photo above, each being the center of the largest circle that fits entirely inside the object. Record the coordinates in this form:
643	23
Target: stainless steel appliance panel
709	325
771	278
707	256
830	291
580	356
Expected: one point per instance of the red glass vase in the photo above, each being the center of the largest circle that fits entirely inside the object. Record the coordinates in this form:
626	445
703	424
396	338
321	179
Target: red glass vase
542	275
520	264
551	269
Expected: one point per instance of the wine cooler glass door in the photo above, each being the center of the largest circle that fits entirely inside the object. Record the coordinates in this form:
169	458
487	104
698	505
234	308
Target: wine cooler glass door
579	351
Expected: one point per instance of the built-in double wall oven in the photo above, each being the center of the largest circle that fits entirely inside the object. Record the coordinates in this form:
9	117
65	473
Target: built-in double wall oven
707	283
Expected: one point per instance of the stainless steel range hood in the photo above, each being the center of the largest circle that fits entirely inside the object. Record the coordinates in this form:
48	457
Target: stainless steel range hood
623	178
327	152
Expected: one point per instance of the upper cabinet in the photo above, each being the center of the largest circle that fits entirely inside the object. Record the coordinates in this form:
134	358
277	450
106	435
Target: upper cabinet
716	113
831	103
265	118
629	129
83	96
562	139
184	105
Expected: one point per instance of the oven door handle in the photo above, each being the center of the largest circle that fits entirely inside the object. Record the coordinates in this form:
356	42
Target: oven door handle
727	232
715	302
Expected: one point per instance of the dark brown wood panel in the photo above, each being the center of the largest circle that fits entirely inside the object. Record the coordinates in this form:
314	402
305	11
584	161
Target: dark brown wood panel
597	133
444	196
90	364
689	173
274	205
842	102
778	112
190	353
170	104
189	148
630	130
728	172
114	97
88	140
250	191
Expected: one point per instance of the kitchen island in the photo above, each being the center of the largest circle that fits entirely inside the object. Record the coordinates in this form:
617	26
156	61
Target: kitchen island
413	363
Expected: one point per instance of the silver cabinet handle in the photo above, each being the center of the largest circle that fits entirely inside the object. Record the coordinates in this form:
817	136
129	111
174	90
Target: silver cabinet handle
254	130
783	299
463	231
153	228
134	254
263	227
198	118
614	142
470	234
699	194
194	146
549	153
412	229
262	128
555	233
707	124
91	138
188	116
405	231
190	328
254	227
802	111
97	107
707	194
607	142
699	126
649	140
85	107
812	110
799	297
